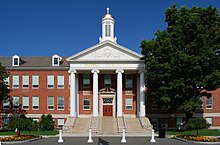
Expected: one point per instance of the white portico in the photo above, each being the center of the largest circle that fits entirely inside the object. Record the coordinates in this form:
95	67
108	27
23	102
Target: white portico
106	58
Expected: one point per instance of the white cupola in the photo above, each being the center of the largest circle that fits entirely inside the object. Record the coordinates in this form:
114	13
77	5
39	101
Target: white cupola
107	28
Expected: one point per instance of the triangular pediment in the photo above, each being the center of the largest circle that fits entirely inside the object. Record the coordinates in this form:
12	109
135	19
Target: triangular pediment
106	51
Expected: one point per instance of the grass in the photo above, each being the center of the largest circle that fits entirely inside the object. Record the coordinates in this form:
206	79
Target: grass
206	132
31	132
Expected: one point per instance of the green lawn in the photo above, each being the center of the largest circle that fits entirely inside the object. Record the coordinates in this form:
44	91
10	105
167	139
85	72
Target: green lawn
208	132
31	132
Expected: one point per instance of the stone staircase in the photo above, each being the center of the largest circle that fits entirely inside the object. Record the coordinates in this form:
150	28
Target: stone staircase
70	122
81	127
108	125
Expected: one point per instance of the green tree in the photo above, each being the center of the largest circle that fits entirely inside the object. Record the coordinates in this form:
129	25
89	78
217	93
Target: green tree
4	86
196	124
47	123
182	62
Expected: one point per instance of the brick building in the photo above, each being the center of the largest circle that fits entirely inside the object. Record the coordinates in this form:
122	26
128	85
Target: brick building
106	79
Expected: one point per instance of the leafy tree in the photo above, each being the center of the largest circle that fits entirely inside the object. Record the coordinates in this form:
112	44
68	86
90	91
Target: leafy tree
47	123
4	91
182	62
197	123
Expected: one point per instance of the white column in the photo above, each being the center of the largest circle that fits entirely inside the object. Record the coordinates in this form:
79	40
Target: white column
72	92
119	92
138	94
142	94
95	92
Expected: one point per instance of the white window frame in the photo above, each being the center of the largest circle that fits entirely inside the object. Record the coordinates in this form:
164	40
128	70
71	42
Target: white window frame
13	60
56	58
129	104
50	81
209	106
35	81
25	103
86	106
60	122
15	106
50	106
15	81
59	107
25	81
60	81
35	103
6	104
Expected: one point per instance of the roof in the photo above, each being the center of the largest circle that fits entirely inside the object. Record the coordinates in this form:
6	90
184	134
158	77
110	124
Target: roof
33	61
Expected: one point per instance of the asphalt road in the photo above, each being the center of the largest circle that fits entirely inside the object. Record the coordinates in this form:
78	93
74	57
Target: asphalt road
107	141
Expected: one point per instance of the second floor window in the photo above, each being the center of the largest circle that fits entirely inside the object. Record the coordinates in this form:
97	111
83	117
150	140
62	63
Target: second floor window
6	104
35	81
15	81
209	101
50	103
25	81
15	102
35	102
107	81
60	82
128	83
86	81
25	102
60	103
50	81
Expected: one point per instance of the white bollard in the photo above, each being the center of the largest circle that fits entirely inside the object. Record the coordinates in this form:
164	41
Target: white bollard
0	142
90	136
152	136
123	140
60	136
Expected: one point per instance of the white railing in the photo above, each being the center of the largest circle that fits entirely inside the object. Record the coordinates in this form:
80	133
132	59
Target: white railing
91	122
121	127
125	124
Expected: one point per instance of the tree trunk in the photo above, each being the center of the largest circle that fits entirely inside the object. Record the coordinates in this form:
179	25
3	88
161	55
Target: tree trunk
197	132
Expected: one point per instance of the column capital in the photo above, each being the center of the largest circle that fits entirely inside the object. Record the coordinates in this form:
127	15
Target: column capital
119	70
95	70
71	70
141	71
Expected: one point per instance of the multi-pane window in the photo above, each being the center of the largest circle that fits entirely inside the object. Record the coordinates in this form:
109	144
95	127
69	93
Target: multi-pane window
16	61
25	81
209	120
128	103
6	104
15	102
60	103
86	80
15	81
107	81
50	103
25	102
35	81
50	81
60	82
107	30
35	102
86	104
56	60
128	83
209	101
60	122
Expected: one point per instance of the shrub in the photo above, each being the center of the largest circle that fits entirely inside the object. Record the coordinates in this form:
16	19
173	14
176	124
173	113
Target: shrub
197	138
47	123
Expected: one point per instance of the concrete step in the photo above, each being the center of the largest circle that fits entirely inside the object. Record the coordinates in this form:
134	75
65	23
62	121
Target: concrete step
134	126
81	126
120	123
108	125
69	124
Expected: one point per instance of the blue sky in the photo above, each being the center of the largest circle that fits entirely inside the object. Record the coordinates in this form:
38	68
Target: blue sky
65	27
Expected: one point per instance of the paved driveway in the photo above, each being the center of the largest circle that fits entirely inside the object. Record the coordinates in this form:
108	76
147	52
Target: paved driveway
107	141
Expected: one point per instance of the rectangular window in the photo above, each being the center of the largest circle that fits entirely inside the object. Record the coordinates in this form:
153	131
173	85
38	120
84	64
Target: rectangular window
15	102
50	103
107	30
86	81
128	84
60	122
56	61
15	81
25	102
60	103
209	120
209	101
50	81
60	82
6	80
6	104
35	102
35	81
128	103
107	81
86	104
179	122
25	81
16	62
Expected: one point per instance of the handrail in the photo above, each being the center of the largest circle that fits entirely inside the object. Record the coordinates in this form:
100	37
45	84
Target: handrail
90	122
143	125
125	124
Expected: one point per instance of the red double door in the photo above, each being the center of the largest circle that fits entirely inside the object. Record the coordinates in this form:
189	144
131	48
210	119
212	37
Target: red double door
107	110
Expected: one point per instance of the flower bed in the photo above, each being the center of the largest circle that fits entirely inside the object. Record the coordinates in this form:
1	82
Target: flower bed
197	138
18	138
